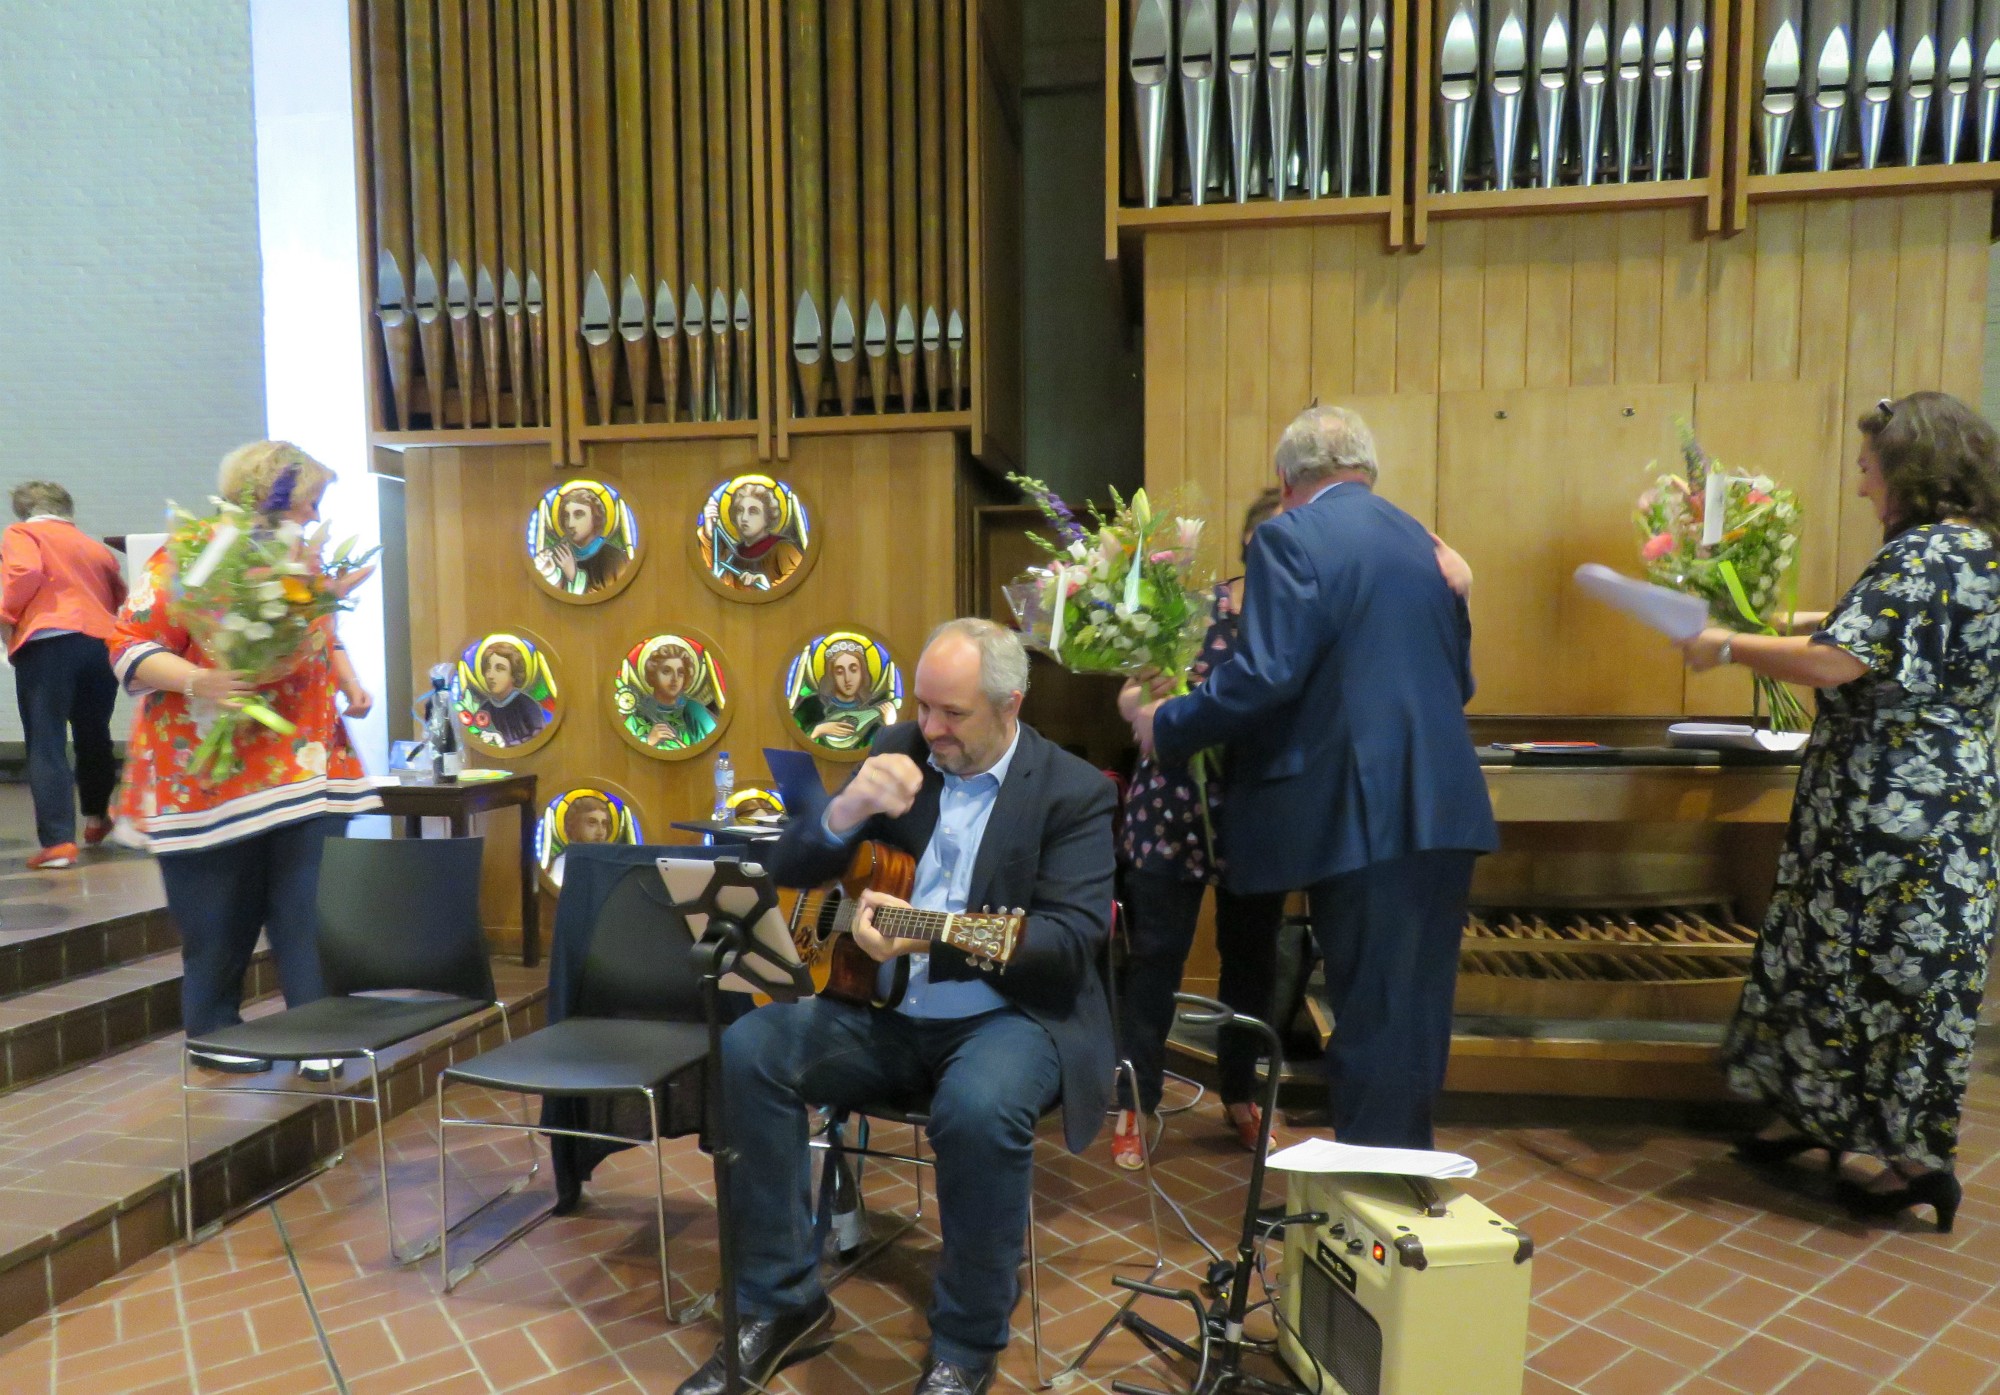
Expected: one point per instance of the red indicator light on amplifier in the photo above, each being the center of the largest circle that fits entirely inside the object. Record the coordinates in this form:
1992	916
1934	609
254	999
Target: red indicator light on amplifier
1379	1252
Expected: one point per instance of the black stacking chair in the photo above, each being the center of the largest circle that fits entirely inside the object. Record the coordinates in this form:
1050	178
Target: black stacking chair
395	916
638	1033
918	1121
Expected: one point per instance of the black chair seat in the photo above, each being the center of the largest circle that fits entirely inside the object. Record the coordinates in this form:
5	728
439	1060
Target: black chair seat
589	1056
341	1026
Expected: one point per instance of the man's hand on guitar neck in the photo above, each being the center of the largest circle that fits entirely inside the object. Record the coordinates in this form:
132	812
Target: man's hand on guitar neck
886	784
878	946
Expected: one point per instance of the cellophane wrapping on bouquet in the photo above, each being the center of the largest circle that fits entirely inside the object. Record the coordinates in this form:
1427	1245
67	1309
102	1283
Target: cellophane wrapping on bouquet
1124	593
1732	540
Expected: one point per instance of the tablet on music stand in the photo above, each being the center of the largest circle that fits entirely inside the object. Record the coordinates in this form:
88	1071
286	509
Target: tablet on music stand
742	891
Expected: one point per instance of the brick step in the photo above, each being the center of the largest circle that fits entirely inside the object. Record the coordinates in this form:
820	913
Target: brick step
68	1024
37	949
90	1159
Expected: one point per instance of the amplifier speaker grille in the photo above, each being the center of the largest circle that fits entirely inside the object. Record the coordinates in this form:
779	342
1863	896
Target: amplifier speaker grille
1338	1333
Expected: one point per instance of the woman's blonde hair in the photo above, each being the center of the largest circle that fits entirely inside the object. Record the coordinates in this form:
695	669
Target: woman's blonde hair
249	475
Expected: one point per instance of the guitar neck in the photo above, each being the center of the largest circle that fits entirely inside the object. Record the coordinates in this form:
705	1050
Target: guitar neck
834	915
907	922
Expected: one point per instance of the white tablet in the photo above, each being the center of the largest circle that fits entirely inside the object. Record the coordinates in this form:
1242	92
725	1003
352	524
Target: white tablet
772	968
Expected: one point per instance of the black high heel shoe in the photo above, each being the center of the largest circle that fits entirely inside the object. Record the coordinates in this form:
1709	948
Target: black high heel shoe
1768	1152
1938	1190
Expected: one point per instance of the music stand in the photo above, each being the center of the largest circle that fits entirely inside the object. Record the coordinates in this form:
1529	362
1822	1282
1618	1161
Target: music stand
745	946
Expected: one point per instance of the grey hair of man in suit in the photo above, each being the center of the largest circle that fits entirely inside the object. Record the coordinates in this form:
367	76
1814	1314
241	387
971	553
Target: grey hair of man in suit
1003	662
1325	443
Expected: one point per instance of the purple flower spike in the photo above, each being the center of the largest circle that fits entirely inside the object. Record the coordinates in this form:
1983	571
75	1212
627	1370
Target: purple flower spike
280	498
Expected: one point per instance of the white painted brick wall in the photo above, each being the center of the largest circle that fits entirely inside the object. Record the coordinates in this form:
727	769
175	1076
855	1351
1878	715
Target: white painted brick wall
131	332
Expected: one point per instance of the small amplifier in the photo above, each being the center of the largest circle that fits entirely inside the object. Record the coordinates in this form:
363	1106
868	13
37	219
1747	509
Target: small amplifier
1410	1287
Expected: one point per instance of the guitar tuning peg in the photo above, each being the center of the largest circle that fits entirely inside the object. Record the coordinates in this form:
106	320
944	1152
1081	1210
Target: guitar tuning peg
1019	911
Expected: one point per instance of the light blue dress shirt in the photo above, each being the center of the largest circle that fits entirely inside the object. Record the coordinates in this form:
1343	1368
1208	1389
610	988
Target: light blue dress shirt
944	881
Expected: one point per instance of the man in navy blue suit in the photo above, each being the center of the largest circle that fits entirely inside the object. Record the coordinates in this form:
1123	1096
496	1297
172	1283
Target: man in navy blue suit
1350	769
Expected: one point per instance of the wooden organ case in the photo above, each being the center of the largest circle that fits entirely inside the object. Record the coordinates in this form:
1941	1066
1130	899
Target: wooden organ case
1524	271
661	244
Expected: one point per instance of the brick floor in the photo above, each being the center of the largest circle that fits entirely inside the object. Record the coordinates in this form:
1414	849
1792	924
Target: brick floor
1662	1266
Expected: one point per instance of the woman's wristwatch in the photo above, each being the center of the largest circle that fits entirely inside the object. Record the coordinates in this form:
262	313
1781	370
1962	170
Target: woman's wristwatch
1726	653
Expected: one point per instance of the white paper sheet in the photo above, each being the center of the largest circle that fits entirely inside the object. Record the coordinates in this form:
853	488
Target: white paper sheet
1323	1155
1674	614
1732	736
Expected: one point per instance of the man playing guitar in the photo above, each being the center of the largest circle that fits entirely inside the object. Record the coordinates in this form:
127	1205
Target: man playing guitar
995	815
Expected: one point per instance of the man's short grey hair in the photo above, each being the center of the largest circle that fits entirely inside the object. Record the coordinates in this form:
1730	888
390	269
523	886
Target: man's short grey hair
1323	442
1003	662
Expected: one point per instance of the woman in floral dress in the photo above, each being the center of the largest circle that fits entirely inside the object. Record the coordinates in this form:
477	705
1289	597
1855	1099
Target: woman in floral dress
1857	1023
241	854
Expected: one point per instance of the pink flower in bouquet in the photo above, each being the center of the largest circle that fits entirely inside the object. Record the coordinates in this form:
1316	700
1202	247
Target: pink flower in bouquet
1756	497
1167	555
1657	546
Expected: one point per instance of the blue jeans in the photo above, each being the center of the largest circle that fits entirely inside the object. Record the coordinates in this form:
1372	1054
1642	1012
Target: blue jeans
987	1080
64	684
221	897
1389	935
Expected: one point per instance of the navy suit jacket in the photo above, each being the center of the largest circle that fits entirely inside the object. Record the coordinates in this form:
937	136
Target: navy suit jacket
1343	706
1046	849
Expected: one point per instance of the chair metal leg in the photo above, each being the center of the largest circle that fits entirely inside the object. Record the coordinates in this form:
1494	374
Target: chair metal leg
1043	1380
444	1196
399	1256
192	1235
373	1099
699	1304
447	1227
187	1156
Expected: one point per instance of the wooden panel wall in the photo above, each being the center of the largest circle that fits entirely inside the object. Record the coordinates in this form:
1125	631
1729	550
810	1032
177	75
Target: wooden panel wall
884	509
1590	332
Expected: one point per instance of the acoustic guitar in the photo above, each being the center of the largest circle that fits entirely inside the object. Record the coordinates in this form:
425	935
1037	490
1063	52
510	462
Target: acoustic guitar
823	920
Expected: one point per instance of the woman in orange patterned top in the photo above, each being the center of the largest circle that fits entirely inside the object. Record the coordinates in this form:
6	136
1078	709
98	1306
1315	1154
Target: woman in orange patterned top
241	854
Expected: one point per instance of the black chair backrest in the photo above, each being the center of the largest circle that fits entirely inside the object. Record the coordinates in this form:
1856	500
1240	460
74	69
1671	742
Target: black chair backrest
403	913
640	962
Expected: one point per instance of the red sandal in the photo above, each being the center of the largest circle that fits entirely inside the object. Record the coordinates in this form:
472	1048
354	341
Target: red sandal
1126	1149
1246	1121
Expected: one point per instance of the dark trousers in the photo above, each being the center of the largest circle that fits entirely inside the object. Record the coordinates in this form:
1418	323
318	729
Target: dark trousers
221	897
1389	935
64	685
1162	914
986	1081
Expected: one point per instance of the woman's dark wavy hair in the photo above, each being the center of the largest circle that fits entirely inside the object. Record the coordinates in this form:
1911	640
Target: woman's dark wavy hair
1940	459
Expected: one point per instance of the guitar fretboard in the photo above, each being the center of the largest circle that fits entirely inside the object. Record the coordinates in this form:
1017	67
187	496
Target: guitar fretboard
835	916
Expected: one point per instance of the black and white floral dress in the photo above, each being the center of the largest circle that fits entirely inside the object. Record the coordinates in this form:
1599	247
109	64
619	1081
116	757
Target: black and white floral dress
1857	1022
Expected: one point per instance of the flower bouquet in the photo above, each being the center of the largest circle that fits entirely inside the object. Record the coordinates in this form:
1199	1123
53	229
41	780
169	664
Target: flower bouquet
1733	541
1123	595
248	591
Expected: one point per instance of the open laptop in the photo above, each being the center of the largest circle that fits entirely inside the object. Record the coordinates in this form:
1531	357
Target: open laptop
796	775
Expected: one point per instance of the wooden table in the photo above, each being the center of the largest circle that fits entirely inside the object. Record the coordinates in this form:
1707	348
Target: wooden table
458	801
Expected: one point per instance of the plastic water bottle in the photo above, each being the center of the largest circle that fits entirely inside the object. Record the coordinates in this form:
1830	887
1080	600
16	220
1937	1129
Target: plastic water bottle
725	785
